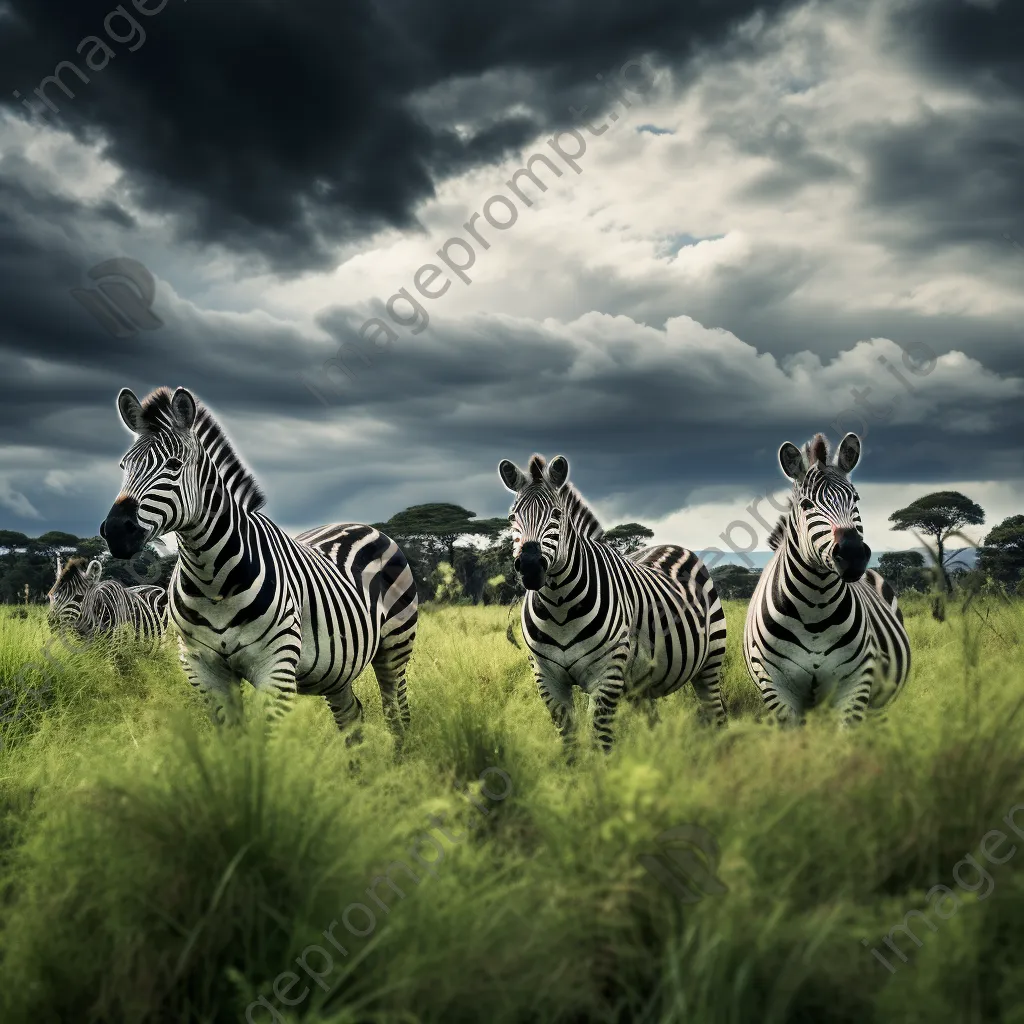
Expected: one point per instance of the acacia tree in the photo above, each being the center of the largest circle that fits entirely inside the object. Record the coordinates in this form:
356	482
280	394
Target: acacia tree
940	515
1002	555
627	537
443	522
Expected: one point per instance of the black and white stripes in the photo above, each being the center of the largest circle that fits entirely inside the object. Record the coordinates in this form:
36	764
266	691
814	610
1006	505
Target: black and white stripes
821	626
593	618
82	603
291	615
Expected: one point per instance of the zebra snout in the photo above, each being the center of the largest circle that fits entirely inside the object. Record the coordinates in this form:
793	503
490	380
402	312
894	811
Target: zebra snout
123	533
851	555
530	565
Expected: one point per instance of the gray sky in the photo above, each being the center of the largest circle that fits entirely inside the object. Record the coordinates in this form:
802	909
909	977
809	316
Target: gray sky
802	194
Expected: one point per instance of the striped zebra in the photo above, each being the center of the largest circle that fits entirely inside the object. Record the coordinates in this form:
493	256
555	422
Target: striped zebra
73	581
821	626
82	603
291	615
638	626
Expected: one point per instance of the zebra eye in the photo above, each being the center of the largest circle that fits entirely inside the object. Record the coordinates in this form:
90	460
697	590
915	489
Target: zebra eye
556	513
173	465
856	496
512	518
806	504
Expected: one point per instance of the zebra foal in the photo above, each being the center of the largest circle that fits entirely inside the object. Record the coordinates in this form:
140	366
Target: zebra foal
821	626
85	605
292	615
638	626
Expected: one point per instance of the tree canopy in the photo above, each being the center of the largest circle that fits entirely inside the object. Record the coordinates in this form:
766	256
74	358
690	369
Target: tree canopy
1002	554
902	569
628	537
735	582
445	522
940	515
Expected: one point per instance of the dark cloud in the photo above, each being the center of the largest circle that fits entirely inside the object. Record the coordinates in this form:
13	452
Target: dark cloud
979	42
279	128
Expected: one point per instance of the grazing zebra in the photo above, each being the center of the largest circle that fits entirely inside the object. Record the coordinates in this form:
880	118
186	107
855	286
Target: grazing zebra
292	615
820	624
640	626
80	602
71	585
110	604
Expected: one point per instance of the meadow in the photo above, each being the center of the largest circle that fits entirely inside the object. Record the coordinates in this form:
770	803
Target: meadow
155	870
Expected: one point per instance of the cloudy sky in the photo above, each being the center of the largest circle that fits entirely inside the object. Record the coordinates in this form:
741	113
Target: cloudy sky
802	203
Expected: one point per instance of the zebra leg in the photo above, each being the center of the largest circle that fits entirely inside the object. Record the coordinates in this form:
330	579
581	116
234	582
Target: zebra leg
606	700
347	709
778	696
216	681
556	692
707	684
853	696
389	666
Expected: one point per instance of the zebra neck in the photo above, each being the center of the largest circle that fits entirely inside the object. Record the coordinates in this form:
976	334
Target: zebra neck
563	587
219	555
797	566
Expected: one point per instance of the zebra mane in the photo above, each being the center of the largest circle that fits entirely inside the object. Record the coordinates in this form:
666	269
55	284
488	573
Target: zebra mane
580	514
72	567
816	450
775	537
157	418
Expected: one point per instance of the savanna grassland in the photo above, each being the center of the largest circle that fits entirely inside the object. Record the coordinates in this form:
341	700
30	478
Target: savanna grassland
154	870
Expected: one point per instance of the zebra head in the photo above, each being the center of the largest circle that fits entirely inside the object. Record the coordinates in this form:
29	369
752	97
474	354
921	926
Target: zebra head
69	590
828	526
162	472
536	515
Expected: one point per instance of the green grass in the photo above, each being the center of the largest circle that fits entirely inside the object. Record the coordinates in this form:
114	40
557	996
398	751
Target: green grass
154	870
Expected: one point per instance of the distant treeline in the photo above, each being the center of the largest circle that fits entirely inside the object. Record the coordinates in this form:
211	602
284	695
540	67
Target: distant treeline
456	557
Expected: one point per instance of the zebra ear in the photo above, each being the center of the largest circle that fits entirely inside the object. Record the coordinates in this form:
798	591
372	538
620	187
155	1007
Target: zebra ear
558	471
130	409
93	572
791	460
849	453
183	408
512	476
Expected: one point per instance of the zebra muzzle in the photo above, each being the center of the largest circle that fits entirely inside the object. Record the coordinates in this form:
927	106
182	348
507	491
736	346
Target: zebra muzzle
851	555
530	565
124	535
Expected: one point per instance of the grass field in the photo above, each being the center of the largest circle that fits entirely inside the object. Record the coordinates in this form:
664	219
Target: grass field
154	870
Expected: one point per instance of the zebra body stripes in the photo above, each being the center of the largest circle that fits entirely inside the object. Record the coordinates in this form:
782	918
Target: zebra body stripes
821	626
639	627
81	602
291	615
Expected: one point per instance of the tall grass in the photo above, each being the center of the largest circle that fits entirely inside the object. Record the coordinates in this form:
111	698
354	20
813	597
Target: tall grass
156	870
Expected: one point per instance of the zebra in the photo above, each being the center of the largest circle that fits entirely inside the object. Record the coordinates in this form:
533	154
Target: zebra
639	626
821	625
73	581
110	605
85	605
291	615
